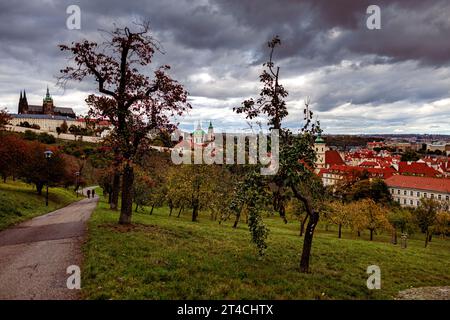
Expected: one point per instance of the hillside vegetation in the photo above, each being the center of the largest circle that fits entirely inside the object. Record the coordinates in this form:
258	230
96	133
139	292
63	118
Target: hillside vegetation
19	202
162	257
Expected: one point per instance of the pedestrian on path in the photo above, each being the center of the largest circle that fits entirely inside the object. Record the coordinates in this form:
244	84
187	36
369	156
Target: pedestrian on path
93	193
89	193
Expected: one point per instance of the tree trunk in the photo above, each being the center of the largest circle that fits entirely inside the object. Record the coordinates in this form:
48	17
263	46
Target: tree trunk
39	187
135	210
115	191
170	212
359	233
110	198
151	211
194	212
127	195
179	212
426	238
302	226
394	236
307	242
340	231
371	234
236	221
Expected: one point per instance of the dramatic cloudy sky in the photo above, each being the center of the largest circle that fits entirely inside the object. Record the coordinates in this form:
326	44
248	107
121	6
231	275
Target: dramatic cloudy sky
393	80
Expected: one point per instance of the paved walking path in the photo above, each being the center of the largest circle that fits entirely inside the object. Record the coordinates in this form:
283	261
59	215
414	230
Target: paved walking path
35	254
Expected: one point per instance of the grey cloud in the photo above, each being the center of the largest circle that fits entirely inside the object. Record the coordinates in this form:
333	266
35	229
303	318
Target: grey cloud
406	62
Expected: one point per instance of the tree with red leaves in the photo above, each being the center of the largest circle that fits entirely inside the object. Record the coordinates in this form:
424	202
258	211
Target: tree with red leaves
38	170
4	118
12	154
133	102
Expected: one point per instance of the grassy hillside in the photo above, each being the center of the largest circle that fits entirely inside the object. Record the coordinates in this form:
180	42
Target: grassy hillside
20	202
161	257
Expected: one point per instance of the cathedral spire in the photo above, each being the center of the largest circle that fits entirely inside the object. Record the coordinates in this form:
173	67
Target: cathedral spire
24	94
20	99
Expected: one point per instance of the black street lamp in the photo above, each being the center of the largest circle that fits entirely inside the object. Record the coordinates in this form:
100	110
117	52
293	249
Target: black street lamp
77	175
48	155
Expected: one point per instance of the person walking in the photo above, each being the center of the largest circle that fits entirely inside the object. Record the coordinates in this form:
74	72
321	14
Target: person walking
93	193
89	193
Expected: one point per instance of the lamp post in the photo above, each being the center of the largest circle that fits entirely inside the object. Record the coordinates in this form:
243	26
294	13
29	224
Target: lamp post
48	155
77	175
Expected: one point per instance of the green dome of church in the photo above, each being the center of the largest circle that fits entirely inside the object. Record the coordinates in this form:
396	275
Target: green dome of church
319	139
199	132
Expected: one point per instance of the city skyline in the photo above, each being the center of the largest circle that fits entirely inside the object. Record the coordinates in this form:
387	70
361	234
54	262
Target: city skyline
361	81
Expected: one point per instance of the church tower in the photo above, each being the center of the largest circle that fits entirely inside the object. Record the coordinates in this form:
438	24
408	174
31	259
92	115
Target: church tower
23	103
320	148
210	132
47	104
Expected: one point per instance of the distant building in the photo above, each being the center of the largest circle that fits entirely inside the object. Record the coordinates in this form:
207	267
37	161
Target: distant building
403	146
408	190
47	117
320	148
44	121
47	108
334	174
198	138
375	144
417	168
440	146
325	158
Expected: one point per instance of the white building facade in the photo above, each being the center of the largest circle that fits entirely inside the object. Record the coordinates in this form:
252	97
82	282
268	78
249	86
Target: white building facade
408	190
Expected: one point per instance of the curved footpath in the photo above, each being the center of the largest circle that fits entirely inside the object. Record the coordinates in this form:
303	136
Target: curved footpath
35	254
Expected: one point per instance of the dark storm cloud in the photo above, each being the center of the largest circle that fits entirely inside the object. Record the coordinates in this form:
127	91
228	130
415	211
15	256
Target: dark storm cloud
216	48
410	29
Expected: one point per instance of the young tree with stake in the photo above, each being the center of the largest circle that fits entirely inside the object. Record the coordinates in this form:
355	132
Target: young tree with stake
295	177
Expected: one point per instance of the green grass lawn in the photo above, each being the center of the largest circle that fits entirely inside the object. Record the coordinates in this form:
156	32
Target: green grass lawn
19	202
162	257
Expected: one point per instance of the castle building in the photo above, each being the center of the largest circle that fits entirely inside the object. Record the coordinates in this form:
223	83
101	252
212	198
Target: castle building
47	108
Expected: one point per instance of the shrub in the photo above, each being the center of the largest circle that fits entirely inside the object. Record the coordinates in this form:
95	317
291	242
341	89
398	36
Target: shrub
30	135
46	138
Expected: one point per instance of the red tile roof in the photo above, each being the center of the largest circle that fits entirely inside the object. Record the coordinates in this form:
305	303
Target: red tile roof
369	164
383	173
333	157
417	169
421	183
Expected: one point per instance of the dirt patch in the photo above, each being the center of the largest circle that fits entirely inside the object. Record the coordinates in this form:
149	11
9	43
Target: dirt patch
425	293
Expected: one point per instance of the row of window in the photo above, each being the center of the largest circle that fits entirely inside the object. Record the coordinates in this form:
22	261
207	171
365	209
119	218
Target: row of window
418	194
411	202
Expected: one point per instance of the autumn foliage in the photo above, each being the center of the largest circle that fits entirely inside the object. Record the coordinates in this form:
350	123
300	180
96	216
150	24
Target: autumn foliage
135	103
25	160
